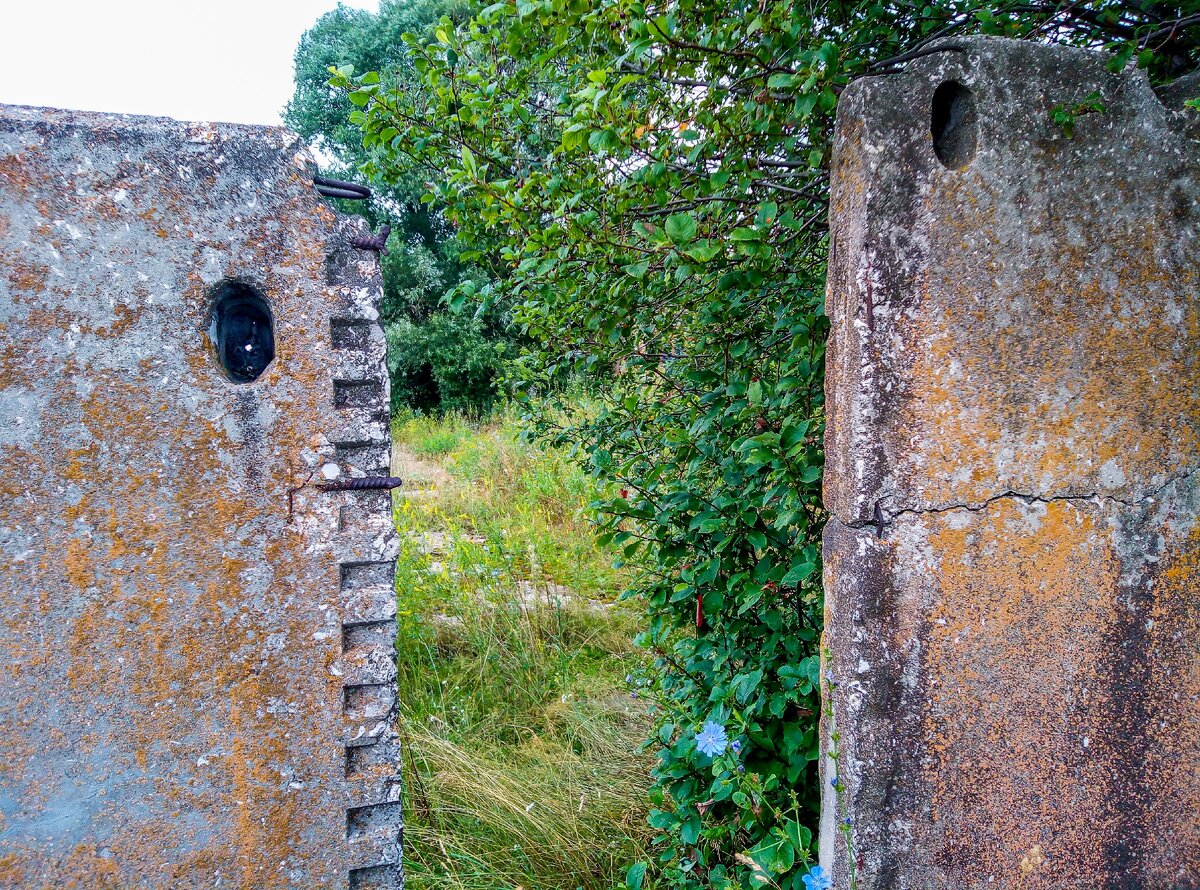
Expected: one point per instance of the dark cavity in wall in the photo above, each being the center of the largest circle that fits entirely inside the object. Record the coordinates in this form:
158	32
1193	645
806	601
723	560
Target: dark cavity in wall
242	330
952	124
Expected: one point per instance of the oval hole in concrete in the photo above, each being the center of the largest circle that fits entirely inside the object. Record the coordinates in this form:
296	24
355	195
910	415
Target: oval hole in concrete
243	331
952	124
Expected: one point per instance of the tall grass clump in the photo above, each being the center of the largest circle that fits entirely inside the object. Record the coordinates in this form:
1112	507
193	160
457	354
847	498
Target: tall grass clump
522	738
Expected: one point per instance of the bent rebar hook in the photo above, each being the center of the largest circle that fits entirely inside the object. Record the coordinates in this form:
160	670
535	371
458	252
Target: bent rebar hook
337	188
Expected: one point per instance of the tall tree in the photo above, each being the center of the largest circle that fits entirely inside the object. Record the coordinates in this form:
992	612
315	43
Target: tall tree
655	175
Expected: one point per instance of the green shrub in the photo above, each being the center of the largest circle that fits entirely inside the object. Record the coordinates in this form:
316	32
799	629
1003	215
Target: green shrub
447	363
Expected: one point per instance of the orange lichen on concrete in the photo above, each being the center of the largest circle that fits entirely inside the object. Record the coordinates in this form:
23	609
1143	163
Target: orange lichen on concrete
1012	566
1015	659
1088	352
173	631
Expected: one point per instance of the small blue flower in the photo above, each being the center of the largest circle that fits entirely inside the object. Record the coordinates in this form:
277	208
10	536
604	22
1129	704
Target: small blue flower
741	767
629	678
833	781
736	745
711	739
818	879
847	821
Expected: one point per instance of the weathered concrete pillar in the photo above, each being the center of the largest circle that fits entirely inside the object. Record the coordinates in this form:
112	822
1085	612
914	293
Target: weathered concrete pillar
1012	564
198	665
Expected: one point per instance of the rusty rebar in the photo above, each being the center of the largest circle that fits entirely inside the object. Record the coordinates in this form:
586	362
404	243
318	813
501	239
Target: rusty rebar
362	483
373	242
338	188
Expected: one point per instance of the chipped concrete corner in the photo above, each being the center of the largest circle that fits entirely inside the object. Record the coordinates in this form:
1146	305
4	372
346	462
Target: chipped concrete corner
1012	563
199	681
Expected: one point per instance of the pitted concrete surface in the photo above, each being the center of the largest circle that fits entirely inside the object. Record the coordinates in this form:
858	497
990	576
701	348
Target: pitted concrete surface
199	679
1012	567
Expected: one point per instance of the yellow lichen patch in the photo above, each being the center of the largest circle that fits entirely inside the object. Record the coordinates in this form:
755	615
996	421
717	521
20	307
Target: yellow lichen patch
27	277
78	564
11	872
18	172
1086	376
1015	661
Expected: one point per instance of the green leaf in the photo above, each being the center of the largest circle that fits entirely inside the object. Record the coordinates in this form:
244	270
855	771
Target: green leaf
468	162
662	820
799	835
793	434
680	228
798	573
689	832
636	876
702	251
603	141
636	270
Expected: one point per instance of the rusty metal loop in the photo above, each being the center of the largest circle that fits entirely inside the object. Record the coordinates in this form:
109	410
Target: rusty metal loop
337	188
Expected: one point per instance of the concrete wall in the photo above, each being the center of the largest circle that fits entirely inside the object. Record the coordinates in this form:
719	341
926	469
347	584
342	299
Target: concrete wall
198	683
1012	563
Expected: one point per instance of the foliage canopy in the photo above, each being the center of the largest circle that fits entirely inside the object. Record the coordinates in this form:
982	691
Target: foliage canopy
646	183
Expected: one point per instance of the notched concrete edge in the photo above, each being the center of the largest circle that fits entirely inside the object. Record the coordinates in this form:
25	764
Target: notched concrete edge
366	547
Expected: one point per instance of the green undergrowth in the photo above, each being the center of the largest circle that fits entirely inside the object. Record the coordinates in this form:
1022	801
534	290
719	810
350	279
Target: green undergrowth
521	737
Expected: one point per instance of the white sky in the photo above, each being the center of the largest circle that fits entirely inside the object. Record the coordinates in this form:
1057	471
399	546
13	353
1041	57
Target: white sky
215	60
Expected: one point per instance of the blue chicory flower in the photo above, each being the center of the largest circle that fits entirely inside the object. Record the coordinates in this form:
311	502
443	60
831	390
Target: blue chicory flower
711	739
818	879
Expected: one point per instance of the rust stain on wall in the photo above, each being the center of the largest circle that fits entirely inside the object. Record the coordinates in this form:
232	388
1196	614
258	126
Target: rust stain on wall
1012	578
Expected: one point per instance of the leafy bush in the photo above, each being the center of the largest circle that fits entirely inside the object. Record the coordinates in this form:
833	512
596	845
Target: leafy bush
446	363
653	177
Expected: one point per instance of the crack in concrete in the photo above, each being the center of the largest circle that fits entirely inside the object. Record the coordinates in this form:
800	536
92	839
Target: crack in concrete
883	519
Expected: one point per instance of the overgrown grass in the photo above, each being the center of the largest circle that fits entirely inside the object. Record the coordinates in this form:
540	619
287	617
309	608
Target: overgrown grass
522	740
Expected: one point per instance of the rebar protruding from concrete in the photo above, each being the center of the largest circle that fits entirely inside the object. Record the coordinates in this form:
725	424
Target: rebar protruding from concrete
337	188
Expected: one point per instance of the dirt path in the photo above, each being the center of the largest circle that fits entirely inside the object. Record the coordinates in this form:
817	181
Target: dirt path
418	474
